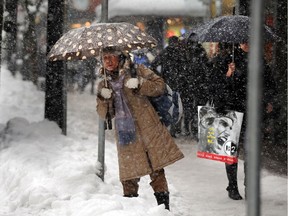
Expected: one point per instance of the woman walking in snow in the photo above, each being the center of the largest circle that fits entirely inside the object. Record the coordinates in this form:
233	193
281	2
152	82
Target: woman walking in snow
144	144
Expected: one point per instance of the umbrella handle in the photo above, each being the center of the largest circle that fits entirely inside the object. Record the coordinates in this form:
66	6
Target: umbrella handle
233	58
105	74
105	79
233	49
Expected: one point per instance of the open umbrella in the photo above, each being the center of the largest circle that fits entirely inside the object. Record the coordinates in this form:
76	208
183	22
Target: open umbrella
85	42
229	29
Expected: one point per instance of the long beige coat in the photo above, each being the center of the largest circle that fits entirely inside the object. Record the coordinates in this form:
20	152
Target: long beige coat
152	137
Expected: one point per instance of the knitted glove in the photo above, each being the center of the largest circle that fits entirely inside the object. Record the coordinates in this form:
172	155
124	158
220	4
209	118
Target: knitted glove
106	93
132	83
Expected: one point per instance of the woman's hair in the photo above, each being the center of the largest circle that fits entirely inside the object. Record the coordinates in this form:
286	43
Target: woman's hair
111	50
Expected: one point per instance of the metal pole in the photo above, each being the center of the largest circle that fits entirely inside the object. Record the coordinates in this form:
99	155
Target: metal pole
101	148
1	26
101	127
104	11
255	77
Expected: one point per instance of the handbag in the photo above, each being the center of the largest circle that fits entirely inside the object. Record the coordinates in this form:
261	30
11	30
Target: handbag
218	134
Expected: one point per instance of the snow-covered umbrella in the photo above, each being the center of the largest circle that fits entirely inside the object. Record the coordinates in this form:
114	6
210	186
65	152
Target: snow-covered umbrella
85	42
229	29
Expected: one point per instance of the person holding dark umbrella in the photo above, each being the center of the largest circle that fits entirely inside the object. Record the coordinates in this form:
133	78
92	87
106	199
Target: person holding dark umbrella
229	73
230	76
144	144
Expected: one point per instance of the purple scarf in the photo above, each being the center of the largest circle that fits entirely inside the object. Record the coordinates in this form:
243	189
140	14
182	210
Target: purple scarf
124	122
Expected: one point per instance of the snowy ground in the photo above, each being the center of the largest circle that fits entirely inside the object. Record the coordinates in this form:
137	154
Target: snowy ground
43	173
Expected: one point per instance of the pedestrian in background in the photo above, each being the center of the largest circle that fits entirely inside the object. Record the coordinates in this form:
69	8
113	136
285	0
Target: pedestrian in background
195	83
170	64
228	91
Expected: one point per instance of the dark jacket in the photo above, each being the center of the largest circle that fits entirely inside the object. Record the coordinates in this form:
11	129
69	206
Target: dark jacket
196	75
169	60
231	92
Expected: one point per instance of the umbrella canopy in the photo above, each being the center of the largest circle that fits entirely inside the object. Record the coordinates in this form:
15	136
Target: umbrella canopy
85	42
229	29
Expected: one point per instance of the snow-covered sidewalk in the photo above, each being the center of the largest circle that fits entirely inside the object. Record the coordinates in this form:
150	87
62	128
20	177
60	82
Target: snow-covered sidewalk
43	173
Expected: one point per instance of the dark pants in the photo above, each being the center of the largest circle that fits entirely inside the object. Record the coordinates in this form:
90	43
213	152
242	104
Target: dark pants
188	116
175	129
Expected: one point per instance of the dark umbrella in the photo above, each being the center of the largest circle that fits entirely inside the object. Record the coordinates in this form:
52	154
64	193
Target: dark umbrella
85	42
229	29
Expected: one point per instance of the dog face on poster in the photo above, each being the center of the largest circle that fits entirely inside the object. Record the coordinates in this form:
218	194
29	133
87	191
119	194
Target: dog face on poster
217	131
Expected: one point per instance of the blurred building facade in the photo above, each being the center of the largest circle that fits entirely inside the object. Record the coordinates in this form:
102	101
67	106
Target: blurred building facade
80	13
161	19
